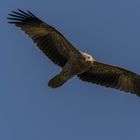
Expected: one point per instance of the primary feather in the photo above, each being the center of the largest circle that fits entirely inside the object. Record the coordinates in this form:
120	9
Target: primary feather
113	77
47	38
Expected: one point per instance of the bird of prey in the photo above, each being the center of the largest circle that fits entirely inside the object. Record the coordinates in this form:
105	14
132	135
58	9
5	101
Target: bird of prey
73	61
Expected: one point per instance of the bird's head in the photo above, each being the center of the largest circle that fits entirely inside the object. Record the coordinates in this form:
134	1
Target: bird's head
88	58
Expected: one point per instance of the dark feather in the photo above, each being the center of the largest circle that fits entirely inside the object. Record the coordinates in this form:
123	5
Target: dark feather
47	38
112	76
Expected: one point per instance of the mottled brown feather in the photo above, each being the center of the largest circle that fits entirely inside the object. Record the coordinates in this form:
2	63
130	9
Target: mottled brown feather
47	38
113	77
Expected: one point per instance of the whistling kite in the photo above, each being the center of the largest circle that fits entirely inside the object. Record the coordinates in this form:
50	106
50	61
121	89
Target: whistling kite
73	61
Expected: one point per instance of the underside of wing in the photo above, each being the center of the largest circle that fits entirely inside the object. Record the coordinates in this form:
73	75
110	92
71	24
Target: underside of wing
113	77
47	38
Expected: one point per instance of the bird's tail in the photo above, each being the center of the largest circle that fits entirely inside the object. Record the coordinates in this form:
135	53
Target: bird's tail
58	80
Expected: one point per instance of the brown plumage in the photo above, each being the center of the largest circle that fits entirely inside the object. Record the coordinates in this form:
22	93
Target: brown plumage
73	61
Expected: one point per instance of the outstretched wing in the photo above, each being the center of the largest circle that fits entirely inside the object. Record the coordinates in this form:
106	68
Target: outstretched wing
112	76
47	38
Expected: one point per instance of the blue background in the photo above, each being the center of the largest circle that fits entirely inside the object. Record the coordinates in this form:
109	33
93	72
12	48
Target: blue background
30	110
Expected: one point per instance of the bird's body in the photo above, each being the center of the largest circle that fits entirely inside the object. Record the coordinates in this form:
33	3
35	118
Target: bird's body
72	61
72	68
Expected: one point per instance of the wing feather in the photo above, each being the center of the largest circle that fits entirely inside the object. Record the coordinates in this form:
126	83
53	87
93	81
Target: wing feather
113	77
47	38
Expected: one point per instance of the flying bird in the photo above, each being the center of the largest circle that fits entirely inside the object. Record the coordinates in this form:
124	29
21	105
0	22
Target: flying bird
72	61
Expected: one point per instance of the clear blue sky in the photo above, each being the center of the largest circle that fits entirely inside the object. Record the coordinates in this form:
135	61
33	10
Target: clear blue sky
30	110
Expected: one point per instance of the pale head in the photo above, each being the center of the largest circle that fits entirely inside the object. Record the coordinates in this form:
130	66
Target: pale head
88	57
